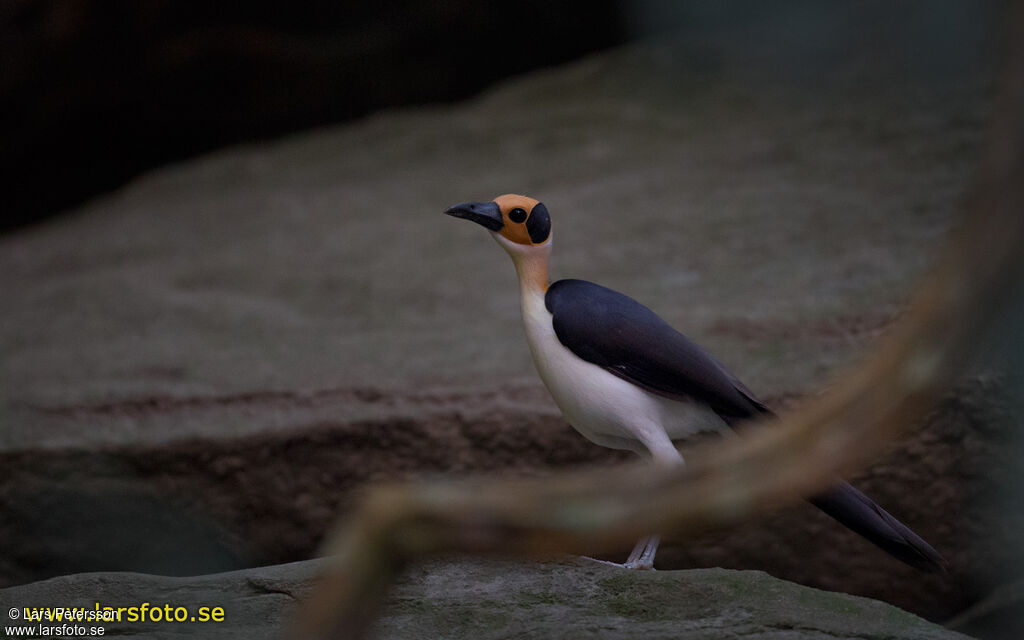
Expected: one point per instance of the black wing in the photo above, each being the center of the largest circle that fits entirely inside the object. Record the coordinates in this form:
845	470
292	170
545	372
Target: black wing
629	340
626	338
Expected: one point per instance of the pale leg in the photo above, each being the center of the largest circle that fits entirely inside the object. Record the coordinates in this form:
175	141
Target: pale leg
663	452
642	556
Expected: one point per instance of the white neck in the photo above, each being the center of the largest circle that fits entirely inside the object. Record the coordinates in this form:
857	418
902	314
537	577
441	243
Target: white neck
531	263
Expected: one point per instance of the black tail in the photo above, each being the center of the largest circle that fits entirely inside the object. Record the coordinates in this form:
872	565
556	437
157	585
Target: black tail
859	513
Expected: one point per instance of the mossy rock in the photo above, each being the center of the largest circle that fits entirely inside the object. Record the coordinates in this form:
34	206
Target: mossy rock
484	599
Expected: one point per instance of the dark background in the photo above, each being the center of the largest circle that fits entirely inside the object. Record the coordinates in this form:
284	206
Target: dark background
93	92
96	91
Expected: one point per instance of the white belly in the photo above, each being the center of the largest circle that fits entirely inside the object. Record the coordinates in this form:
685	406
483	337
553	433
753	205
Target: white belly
604	408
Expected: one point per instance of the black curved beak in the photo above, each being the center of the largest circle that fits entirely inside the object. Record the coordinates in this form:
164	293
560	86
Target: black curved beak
487	214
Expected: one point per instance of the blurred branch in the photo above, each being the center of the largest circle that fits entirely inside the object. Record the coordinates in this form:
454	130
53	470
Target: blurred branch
595	511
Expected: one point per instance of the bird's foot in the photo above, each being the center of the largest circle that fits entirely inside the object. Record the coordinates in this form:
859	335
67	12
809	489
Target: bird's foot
600	561
639	565
642	557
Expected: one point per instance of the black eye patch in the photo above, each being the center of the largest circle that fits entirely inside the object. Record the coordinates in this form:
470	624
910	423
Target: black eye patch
517	215
539	224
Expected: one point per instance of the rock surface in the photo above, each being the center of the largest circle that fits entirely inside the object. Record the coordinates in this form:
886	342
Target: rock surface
198	371
481	599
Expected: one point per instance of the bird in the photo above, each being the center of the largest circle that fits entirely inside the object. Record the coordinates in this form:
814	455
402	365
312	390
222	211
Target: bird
626	379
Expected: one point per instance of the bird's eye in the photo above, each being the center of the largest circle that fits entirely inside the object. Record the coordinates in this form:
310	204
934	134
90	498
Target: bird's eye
517	215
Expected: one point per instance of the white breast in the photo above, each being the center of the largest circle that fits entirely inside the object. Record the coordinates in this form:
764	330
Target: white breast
603	407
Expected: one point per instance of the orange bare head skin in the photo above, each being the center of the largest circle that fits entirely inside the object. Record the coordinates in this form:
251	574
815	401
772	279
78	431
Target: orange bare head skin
526	220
